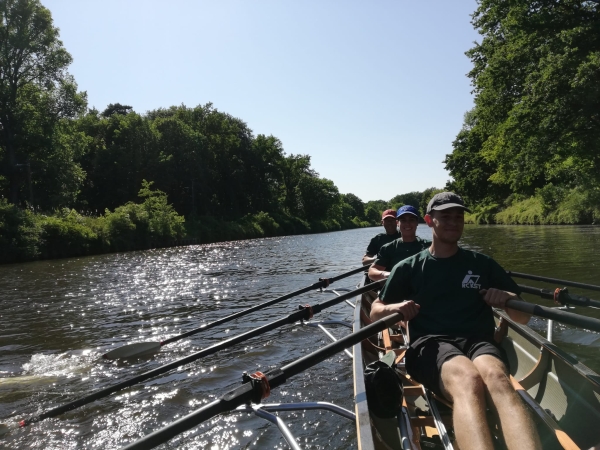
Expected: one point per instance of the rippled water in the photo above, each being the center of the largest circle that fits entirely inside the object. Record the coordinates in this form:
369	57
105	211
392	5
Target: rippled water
57	317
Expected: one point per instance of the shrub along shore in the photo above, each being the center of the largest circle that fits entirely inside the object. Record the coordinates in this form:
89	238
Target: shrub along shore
153	222
550	206
28	236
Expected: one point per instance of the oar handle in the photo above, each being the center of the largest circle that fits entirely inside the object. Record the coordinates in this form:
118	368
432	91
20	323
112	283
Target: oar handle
561	296
560	316
527	276
253	391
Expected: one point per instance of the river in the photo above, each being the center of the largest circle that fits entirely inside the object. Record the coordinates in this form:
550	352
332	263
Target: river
58	317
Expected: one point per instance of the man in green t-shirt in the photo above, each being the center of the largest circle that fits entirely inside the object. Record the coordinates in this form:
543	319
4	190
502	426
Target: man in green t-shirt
388	220
447	294
409	244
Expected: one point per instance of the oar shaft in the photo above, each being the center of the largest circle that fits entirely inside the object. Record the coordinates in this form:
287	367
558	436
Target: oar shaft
244	312
527	276
245	393
294	317
560	316
322	354
185	423
302	314
563	296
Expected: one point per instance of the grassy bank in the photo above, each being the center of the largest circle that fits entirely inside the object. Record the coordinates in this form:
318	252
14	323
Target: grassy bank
27	236
550	206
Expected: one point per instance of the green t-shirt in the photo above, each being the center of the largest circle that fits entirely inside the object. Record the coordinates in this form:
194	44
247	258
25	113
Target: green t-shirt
379	241
391	254
447	290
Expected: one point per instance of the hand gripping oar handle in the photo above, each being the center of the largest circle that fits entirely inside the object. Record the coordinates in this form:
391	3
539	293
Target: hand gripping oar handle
254	391
302	314
591	287
561	296
320	284
555	314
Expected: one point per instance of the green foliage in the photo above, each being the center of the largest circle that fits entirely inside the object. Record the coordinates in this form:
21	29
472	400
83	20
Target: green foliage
357	207
127	227
36	94
19	234
163	221
152	222
482	214
552	206
373	214
412	198
535	128
117	108
525	212
317	198
67	234
266	224
426	196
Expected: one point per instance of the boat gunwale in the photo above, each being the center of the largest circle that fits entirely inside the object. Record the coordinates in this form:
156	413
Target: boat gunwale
365	438
555	352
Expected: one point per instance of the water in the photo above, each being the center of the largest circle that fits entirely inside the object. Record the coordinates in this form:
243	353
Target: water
58	317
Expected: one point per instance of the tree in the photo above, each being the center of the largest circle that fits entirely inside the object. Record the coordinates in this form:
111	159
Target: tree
536	121
470	170
427	195
357	205
33	65
116	108
293	169
317	196
412	198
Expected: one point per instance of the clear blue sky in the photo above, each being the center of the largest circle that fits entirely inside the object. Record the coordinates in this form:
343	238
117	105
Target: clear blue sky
373	91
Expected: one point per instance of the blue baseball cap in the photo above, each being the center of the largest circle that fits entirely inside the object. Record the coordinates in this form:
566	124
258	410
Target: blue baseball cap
407	209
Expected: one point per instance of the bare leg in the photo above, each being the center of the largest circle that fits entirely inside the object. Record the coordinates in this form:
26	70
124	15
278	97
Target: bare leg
462	383
517	427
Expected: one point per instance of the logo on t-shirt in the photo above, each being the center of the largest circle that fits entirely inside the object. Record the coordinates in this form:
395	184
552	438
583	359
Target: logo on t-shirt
470	281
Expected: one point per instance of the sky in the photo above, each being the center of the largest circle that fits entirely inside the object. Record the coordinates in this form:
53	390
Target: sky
374	91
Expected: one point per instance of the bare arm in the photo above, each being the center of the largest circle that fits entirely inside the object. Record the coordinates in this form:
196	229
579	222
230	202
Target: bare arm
368	259
497	298
377	272
408	308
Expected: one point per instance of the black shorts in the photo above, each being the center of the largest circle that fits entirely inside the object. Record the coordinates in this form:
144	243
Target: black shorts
425	356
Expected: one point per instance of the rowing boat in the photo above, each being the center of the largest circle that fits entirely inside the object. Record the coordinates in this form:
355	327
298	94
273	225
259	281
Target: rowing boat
562	394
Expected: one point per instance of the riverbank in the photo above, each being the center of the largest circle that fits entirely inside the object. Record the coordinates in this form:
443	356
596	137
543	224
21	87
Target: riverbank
550	206
27	236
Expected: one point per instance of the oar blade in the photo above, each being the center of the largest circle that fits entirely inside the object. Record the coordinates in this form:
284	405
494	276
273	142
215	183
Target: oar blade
4	429
133	350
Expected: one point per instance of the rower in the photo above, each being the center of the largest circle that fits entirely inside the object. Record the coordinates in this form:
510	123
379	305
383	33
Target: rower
409	244
447	293
388	220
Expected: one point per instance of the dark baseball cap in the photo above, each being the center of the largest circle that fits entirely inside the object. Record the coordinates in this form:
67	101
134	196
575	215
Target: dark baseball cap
445	200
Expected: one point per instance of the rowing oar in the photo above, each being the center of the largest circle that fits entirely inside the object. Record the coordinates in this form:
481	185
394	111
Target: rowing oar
305	313
561	296
146	348
577	320
257	387
591	287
